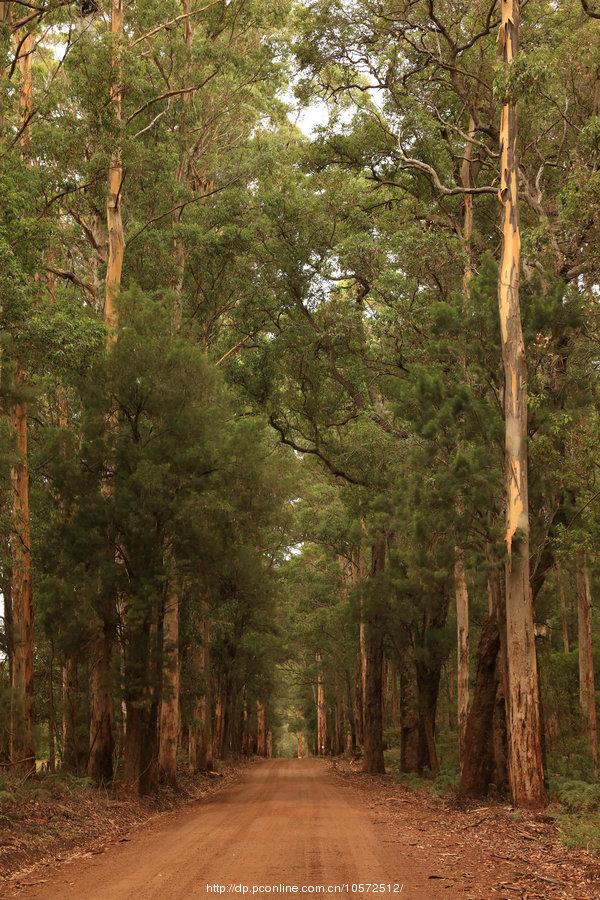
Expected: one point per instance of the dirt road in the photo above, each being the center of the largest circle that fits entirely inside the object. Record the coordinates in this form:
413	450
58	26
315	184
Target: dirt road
287	822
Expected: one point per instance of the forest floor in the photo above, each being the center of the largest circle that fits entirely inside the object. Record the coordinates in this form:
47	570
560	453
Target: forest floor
313	823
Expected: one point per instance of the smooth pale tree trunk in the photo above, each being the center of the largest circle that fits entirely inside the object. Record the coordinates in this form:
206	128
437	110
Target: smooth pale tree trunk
22	744
373	761
114	218
587	690
169	704
462	635
321	711
526	766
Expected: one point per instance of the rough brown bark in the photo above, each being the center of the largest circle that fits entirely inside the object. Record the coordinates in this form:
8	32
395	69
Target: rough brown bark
201	755
485	762
100	758
409	714
74	751
169	704
261	729
523	712
428	684
587	690
564	623
477	767
373	761
462	635
140	773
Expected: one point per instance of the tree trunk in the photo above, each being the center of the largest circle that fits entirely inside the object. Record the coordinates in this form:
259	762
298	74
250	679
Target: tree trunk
51	714
587	690
201	755
169	705
114	219
485	759
564	622
428	685
299	738
100	759
22	752
74	750
523	713
477	766
261	733
373	761
409	714
140	773
462	633
321	712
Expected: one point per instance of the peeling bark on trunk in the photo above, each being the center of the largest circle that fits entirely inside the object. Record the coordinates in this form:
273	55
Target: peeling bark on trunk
523	712
587	690
169	705
373	761
114	219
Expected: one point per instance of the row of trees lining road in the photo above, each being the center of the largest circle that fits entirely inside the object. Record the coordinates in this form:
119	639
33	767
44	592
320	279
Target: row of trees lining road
300	427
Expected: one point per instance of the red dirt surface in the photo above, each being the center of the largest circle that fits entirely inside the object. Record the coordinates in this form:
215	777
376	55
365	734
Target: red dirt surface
304	823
